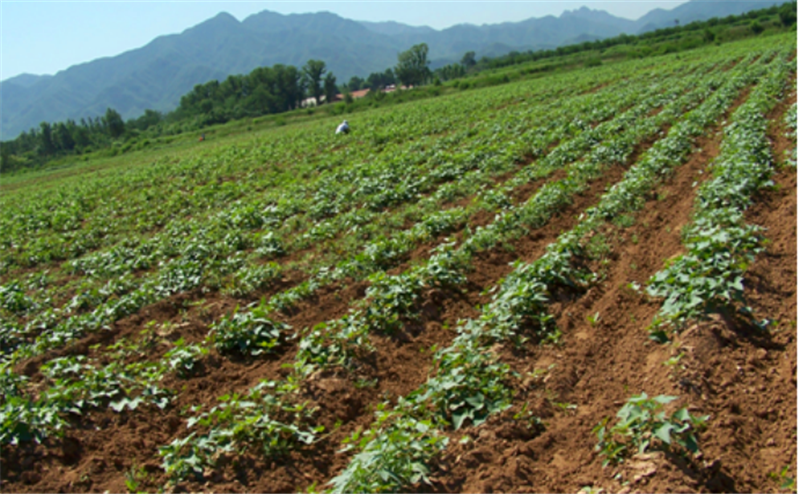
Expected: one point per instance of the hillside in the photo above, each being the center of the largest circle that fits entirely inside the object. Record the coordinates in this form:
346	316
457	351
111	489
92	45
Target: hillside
696	10
458	296
156	75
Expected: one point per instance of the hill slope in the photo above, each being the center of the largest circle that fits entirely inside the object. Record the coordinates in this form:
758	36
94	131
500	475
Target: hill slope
158	74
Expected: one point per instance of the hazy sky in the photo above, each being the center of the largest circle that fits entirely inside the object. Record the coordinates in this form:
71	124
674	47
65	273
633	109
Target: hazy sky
44	37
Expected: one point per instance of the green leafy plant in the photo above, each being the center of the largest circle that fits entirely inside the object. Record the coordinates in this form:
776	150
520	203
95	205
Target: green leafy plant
469	385
23	420
334	343
787	482
134	477
390	299
644	424
253	421
394	455
183	357
709	277
532	422
248	333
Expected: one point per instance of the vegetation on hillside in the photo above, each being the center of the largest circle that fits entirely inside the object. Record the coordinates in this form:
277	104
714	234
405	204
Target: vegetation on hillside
281	88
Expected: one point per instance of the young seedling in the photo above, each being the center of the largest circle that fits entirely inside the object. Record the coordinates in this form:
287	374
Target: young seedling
134	477
642	425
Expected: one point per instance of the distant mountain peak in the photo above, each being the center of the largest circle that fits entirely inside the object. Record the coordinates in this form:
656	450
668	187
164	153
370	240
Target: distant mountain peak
221	18
156	75
26	79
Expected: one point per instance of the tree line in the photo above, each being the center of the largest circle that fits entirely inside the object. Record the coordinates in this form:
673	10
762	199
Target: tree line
265	90
282	88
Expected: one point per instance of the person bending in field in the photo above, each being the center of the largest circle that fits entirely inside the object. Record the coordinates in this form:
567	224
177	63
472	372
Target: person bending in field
343	128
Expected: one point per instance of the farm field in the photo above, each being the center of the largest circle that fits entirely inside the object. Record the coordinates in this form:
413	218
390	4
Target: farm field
585	281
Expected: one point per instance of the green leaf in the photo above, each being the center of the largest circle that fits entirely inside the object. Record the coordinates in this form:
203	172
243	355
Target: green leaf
659	336
691	443
459	418
682	415
477	401
663	432
664	399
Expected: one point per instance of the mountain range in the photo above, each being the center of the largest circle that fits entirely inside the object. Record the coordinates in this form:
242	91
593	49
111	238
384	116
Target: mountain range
156	75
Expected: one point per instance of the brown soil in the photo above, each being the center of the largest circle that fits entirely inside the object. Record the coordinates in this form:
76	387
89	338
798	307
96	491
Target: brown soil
744	379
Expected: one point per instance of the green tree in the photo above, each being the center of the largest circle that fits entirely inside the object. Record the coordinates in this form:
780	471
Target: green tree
709	36
355	83
113	123
313	71
379	80
62	138
388	77
468	60
756	27
412	65
149	119
46	145
788	14
330	88
5	157
81	135
289	86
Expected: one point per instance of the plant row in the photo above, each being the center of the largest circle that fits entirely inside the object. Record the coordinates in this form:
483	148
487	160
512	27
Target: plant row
519	304
206	256
720	245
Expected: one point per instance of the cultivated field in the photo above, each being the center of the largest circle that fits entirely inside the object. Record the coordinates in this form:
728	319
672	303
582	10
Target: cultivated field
580	281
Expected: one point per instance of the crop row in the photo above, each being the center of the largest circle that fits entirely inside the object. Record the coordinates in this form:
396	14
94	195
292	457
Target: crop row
790	120
390	299
255	333
350	341
469	383
709	277
202	251
476	389
69	222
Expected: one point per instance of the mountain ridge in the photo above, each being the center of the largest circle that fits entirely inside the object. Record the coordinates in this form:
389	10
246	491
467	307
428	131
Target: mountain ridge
157	74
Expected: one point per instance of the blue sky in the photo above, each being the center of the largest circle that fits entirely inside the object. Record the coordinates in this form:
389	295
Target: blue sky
43	37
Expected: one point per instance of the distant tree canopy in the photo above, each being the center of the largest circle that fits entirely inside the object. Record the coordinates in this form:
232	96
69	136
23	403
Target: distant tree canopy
788	14
468	60
330	87
264	90
412	65
452	71
49	140
355	83
379	80
756	27
114	123
313	71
